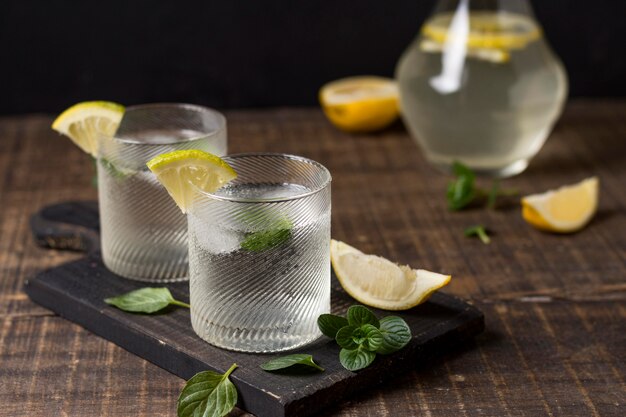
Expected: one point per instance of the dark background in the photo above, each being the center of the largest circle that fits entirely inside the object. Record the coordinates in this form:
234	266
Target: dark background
252	53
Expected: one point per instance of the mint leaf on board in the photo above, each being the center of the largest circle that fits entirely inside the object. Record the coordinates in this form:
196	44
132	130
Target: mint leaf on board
207	394
478	231
358	315
275	235
145	300
330	324
288	361
396	334
355	359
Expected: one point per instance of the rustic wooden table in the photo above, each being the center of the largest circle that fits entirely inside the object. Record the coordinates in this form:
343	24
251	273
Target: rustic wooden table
555	306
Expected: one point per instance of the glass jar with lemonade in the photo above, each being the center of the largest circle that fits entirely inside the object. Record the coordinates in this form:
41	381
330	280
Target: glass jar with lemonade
480	85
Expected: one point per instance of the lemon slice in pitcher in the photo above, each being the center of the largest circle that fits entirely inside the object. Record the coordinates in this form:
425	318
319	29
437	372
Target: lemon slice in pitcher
564	210
378	282
82	122
361	104
181	172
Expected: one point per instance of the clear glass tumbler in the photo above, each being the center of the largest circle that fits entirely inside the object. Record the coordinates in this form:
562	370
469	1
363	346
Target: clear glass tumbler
259	254
143	232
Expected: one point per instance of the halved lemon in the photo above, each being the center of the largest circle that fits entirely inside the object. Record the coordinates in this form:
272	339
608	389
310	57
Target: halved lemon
564	210
361	104
378	282
82	122
181	172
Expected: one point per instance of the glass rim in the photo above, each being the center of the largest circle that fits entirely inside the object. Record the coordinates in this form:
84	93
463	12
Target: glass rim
221	121
327	180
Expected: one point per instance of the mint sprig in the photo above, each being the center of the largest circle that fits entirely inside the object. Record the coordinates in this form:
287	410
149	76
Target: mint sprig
361	335
145	300
207	393
463	189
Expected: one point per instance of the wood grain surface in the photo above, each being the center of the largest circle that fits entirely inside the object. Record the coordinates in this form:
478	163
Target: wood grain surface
555	306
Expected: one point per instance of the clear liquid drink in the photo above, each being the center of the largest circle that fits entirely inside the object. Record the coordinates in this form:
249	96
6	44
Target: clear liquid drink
143	232
259	255
481	86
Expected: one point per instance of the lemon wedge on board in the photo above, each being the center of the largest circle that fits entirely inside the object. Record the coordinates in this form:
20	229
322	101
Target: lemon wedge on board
378	282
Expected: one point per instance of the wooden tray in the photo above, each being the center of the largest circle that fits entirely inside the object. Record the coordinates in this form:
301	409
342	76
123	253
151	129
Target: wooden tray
76	291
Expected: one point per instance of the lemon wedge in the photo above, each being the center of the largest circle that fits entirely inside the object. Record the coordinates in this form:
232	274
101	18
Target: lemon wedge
378	282
82	122
361	104
564	210
181	172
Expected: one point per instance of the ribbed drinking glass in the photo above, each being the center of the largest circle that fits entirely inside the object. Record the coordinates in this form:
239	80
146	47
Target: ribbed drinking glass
143	232
259	254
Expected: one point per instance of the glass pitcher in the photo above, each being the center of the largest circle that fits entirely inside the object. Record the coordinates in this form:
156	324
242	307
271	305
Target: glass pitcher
480	85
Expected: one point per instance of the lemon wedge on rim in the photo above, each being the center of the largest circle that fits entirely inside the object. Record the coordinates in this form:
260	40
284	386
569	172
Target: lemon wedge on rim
378	282
564	210
82	122
360	104
181	172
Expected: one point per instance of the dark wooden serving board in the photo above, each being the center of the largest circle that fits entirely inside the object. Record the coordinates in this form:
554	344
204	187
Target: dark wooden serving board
76	291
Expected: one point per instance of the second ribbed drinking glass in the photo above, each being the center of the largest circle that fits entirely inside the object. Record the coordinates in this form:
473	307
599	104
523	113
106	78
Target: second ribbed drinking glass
143	232
259	255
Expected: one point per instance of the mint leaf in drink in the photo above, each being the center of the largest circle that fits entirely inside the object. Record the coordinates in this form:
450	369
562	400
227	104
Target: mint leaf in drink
355	359
291	361
113	170
145	300
358	315
206	394
275	235
461	191
478	231
330	324
396	334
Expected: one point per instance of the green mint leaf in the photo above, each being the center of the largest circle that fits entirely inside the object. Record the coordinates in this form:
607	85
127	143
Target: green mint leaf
493	194
274	236
114	171
461	170
355	359
345	337
358	315
478	231
461	191
396	334
207	394
145	300
370	337
291	361
365	336
330	324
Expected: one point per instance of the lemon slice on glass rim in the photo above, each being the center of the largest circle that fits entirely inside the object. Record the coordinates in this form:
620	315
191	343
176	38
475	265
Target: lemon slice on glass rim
378	282
82	122
360	104
564	210
181	172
